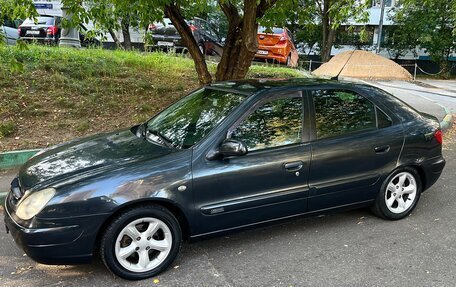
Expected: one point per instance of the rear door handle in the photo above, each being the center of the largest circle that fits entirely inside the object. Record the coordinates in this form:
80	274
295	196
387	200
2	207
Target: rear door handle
382	149
293	166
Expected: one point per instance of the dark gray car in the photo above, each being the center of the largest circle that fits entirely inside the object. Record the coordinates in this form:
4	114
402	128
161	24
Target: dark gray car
230	155
165	37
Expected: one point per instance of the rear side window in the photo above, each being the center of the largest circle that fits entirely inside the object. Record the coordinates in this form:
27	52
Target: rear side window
273	30
40	21
339	112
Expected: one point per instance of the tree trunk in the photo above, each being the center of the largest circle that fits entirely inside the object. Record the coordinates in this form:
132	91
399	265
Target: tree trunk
116	40
172	11
125	24
328	45
241	43
329	33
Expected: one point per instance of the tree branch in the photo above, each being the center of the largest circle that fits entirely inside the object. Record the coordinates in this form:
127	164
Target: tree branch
263	6
173	12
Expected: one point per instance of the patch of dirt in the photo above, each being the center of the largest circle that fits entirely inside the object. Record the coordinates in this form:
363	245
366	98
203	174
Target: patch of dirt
362	65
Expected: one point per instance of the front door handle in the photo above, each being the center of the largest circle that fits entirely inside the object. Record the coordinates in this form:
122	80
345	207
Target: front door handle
382	149
293	166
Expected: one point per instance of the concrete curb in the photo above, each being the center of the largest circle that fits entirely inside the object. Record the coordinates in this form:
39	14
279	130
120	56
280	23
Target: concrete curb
447	120
13	159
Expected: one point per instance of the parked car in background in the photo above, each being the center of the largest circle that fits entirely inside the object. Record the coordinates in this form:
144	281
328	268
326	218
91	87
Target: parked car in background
46	29
277	45
165	37
228	156
8	32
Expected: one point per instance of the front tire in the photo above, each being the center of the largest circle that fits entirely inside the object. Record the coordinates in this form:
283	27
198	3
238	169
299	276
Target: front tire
398	195
141	242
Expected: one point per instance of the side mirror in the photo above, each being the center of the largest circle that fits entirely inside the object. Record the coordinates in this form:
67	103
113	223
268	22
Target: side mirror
228	147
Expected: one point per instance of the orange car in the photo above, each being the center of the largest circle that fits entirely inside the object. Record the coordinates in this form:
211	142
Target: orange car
276	44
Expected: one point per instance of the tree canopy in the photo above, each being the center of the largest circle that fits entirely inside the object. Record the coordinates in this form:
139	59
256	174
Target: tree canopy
430	24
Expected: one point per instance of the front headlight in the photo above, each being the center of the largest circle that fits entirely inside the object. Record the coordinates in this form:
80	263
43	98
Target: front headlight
32	204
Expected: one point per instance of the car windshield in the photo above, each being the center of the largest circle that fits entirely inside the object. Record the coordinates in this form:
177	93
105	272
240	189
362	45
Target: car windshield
188	121
40	21
273	30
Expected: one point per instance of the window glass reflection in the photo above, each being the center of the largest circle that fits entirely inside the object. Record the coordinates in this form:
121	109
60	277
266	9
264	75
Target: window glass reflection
276	123
338	112
188	121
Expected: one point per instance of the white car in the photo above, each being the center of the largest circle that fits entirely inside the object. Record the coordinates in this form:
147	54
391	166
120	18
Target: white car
9	33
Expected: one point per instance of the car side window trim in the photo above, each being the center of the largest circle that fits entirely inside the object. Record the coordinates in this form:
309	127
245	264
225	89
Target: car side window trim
377	108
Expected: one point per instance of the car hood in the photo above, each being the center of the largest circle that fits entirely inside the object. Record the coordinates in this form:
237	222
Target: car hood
87	155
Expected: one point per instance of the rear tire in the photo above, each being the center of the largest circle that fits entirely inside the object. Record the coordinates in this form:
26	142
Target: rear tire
399	194
141	242
289	61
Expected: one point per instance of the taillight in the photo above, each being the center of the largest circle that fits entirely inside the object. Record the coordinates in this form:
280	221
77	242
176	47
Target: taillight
19	30
283	39
152	27
438	136
193	28
52	30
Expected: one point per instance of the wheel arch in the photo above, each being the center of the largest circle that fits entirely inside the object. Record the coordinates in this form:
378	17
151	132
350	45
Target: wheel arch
169	205
419	169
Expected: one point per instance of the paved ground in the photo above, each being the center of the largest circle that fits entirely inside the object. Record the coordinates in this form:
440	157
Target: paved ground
424	97
349	249
449	85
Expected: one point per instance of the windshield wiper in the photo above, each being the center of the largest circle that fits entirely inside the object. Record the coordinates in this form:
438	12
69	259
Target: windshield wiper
164	139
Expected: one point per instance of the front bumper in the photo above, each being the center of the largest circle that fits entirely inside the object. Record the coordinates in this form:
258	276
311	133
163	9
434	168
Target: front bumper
69	244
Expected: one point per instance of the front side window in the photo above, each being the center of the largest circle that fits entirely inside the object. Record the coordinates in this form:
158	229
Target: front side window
276	123
338	112
188	121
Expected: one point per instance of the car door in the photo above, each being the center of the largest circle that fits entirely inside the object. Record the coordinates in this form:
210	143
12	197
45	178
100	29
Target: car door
270	181
355	144
213	42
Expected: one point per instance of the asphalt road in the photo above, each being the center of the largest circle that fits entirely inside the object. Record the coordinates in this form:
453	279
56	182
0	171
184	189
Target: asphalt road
431	97
347	249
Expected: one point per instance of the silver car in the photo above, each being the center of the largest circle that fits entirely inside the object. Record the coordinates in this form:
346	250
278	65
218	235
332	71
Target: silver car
8	32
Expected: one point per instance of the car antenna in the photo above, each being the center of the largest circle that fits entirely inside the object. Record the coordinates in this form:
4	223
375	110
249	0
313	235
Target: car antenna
336	77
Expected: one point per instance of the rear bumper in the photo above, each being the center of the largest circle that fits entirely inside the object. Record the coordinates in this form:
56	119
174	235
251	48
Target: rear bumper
276	53
164	48
40	40
71	244
278	58
432	170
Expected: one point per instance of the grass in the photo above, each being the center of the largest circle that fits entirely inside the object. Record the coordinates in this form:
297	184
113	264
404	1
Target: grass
50	94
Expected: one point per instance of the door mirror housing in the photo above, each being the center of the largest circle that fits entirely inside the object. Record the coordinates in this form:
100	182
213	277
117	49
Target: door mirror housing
229	147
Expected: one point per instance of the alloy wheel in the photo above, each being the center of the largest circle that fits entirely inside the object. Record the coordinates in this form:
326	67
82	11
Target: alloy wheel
143	244
401	192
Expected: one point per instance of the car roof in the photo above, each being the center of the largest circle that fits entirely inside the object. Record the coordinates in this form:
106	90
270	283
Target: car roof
251	86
